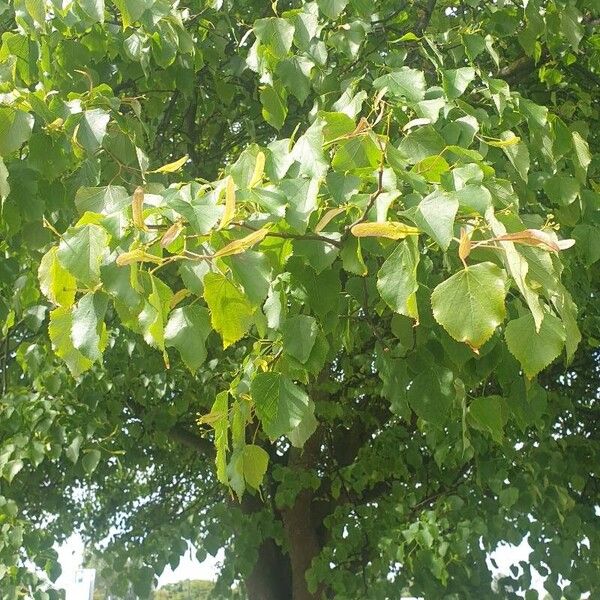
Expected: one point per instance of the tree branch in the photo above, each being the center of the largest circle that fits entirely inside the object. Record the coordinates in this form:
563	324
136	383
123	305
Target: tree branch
192	440
423	22
160	130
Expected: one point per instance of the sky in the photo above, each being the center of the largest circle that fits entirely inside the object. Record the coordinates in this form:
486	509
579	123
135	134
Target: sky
71	553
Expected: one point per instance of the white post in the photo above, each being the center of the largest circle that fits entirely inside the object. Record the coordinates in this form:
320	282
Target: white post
83	588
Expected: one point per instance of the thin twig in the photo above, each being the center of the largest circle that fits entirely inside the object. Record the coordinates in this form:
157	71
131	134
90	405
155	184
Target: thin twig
295	236
426	17
165	119
371	203
5	363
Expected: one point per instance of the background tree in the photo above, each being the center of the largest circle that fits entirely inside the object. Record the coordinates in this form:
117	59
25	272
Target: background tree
297	280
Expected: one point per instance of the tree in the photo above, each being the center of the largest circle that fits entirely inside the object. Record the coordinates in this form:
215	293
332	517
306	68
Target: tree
312	282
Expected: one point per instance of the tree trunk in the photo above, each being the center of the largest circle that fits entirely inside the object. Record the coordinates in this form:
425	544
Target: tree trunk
279	576
299	523
271	577
303	544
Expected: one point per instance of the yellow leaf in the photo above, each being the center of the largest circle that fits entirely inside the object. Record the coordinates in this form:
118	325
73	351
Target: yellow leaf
137	208
259	169
172	167
534	237
464	246
178	297
229	204
566	244
136	256
511	141
331	214
171	234
389	229
243	244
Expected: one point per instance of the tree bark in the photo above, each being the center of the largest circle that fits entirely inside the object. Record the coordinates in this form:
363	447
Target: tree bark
271	577
303	544
299	524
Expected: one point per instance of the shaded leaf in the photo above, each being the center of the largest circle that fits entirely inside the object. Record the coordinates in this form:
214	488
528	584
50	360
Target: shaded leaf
397	279
470	304
230	311
535	350
283	408
187	330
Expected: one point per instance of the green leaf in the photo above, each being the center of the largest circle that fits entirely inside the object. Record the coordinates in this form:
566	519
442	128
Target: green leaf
518	154
37	10
201	216
352	258
473	198
435	216
56	283
12	469
132	10
91	129
90	461
397	278
588	242
432	168
81	251
456	81
283	408
508	496
422	143
299	335
72	451
94	9
4	185
535	350
295	76
250	161
274	106
517	267
582	150
337	125
187	330
431	394
332	9
319	291
488	415
192	274
302	201
102	200
357	154
59	331
230	311
15	129
275	33
308	152
256	461
154	315
404	83
219	420
470	304
253	271
562	189
89	331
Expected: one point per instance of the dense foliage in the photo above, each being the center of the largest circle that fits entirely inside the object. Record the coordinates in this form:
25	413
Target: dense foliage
313	282
185	590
